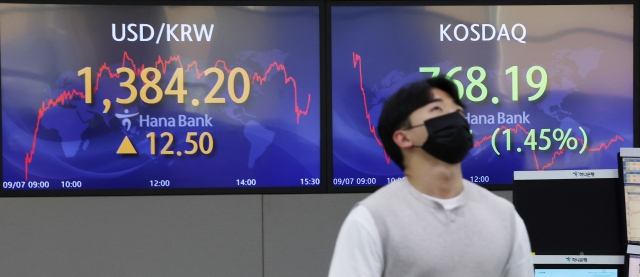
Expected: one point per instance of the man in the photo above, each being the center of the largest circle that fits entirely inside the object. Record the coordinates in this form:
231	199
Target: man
432	222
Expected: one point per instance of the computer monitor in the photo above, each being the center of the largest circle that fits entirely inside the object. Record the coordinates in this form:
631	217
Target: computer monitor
584	54
576	272
632	212
629	168
571	212
231	101
633	265
578	265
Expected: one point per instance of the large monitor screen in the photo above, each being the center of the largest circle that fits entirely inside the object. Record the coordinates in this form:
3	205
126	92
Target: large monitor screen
576	273
552	92
159	97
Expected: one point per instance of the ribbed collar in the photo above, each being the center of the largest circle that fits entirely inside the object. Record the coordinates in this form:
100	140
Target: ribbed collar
419	196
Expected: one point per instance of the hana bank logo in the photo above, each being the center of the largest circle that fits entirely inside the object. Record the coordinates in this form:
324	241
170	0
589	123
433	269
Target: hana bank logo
576	260
588	174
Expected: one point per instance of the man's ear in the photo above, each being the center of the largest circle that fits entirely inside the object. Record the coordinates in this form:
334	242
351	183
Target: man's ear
401	139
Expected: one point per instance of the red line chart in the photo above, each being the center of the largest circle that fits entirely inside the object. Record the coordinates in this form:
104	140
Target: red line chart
60	100
162	65
357	63
557	153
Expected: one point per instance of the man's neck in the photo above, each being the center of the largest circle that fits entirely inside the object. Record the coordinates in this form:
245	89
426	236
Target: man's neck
435	178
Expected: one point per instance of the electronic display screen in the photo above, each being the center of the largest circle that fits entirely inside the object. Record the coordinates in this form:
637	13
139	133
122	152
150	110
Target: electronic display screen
631	176
552	92
634	266
159	97
571	212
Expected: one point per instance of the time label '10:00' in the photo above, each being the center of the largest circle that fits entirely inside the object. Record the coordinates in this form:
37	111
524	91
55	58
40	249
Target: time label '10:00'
39	184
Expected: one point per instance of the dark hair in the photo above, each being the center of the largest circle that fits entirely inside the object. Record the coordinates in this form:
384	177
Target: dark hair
399	106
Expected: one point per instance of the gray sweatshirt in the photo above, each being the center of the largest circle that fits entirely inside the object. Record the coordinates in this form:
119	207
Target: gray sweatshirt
420	238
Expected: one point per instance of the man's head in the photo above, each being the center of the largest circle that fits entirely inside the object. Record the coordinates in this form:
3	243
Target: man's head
404	115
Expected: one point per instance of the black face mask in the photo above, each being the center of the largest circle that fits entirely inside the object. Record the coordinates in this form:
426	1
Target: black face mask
449	138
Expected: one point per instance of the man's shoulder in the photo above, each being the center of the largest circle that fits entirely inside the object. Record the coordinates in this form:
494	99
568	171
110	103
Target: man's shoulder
385	194
483	195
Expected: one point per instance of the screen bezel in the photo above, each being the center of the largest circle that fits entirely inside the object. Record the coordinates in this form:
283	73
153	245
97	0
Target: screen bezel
580	266
492	187
204	191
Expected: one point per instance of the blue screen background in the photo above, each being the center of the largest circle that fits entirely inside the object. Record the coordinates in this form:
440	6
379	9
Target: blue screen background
377	50
270	140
